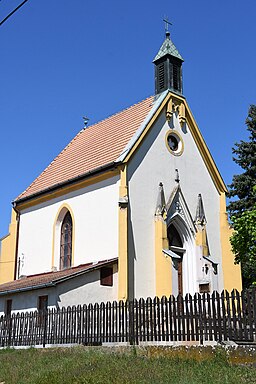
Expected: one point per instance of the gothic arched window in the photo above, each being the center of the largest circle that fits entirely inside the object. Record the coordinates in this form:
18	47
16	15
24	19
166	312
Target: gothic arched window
66	242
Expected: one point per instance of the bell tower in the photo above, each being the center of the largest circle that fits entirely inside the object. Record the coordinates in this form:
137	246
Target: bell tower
168	66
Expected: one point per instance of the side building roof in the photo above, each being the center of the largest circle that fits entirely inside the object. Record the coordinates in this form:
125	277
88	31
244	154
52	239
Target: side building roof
49	279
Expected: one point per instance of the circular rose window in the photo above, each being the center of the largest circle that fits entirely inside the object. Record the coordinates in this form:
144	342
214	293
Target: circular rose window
174	143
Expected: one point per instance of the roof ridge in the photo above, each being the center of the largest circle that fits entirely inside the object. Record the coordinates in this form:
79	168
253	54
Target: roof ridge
55	272
50	278
117	113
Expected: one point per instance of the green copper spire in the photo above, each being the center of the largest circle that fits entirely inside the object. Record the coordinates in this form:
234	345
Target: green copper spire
168	67
168	48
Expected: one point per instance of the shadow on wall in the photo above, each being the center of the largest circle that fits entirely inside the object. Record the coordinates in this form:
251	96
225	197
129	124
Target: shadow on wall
131	257
146	145
77	290
90	188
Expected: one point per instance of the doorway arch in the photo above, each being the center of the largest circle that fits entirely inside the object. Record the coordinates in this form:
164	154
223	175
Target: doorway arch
181	243
176	246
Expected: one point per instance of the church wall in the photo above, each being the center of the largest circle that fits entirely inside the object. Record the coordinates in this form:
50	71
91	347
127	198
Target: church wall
151	164
95	221
84	289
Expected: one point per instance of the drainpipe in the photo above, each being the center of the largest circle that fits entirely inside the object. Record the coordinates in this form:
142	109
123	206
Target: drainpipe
17	239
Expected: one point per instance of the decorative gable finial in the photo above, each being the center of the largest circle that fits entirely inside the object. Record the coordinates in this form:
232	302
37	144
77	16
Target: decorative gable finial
160	205
86	120
177	176
200	218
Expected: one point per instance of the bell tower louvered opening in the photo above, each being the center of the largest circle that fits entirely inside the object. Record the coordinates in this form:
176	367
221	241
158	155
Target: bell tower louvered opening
161	76
168	68
176	75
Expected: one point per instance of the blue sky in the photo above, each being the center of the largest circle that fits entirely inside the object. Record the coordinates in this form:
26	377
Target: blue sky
63	59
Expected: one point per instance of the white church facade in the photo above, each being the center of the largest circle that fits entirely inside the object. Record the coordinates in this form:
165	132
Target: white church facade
134	206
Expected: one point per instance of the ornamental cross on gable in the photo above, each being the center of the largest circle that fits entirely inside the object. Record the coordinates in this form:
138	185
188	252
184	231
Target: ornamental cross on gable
167	23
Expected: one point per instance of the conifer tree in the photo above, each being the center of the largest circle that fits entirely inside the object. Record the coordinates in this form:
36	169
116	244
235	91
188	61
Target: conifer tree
245	156
242	209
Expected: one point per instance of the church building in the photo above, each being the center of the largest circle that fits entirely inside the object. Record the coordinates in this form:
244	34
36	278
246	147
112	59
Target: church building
134	206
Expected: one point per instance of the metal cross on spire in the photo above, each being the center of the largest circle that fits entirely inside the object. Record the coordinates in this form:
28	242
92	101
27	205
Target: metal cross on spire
167	23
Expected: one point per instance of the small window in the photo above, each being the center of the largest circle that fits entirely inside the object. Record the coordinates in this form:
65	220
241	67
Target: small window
42	306
174	143
106	276
8	307
42	303
204	288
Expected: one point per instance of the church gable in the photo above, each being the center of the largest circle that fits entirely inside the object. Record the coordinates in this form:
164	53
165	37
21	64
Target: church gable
181	121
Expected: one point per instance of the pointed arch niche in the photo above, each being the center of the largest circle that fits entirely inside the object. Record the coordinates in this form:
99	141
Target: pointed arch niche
63	239
182	247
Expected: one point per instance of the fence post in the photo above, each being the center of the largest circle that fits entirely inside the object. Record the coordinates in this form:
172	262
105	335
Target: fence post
45	315
131	322
9	327
200	318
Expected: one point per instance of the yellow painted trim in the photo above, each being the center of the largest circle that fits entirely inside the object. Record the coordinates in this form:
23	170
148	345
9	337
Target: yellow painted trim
8	251
123	238
67	189
204	151
175	133
147	128
231	272
182	114
67	206
168	102
163	264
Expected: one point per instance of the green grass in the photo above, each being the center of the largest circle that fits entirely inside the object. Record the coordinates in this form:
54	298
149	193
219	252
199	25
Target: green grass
148	365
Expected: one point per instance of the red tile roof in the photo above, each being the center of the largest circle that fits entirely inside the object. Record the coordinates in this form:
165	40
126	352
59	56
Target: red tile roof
43	280
93	147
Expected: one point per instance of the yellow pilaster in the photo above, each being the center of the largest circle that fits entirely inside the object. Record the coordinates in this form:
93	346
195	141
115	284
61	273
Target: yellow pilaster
201	240
123	237
8	251
163	263
231	272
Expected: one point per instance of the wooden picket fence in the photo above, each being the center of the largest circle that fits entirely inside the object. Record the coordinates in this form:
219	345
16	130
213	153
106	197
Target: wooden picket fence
201	318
